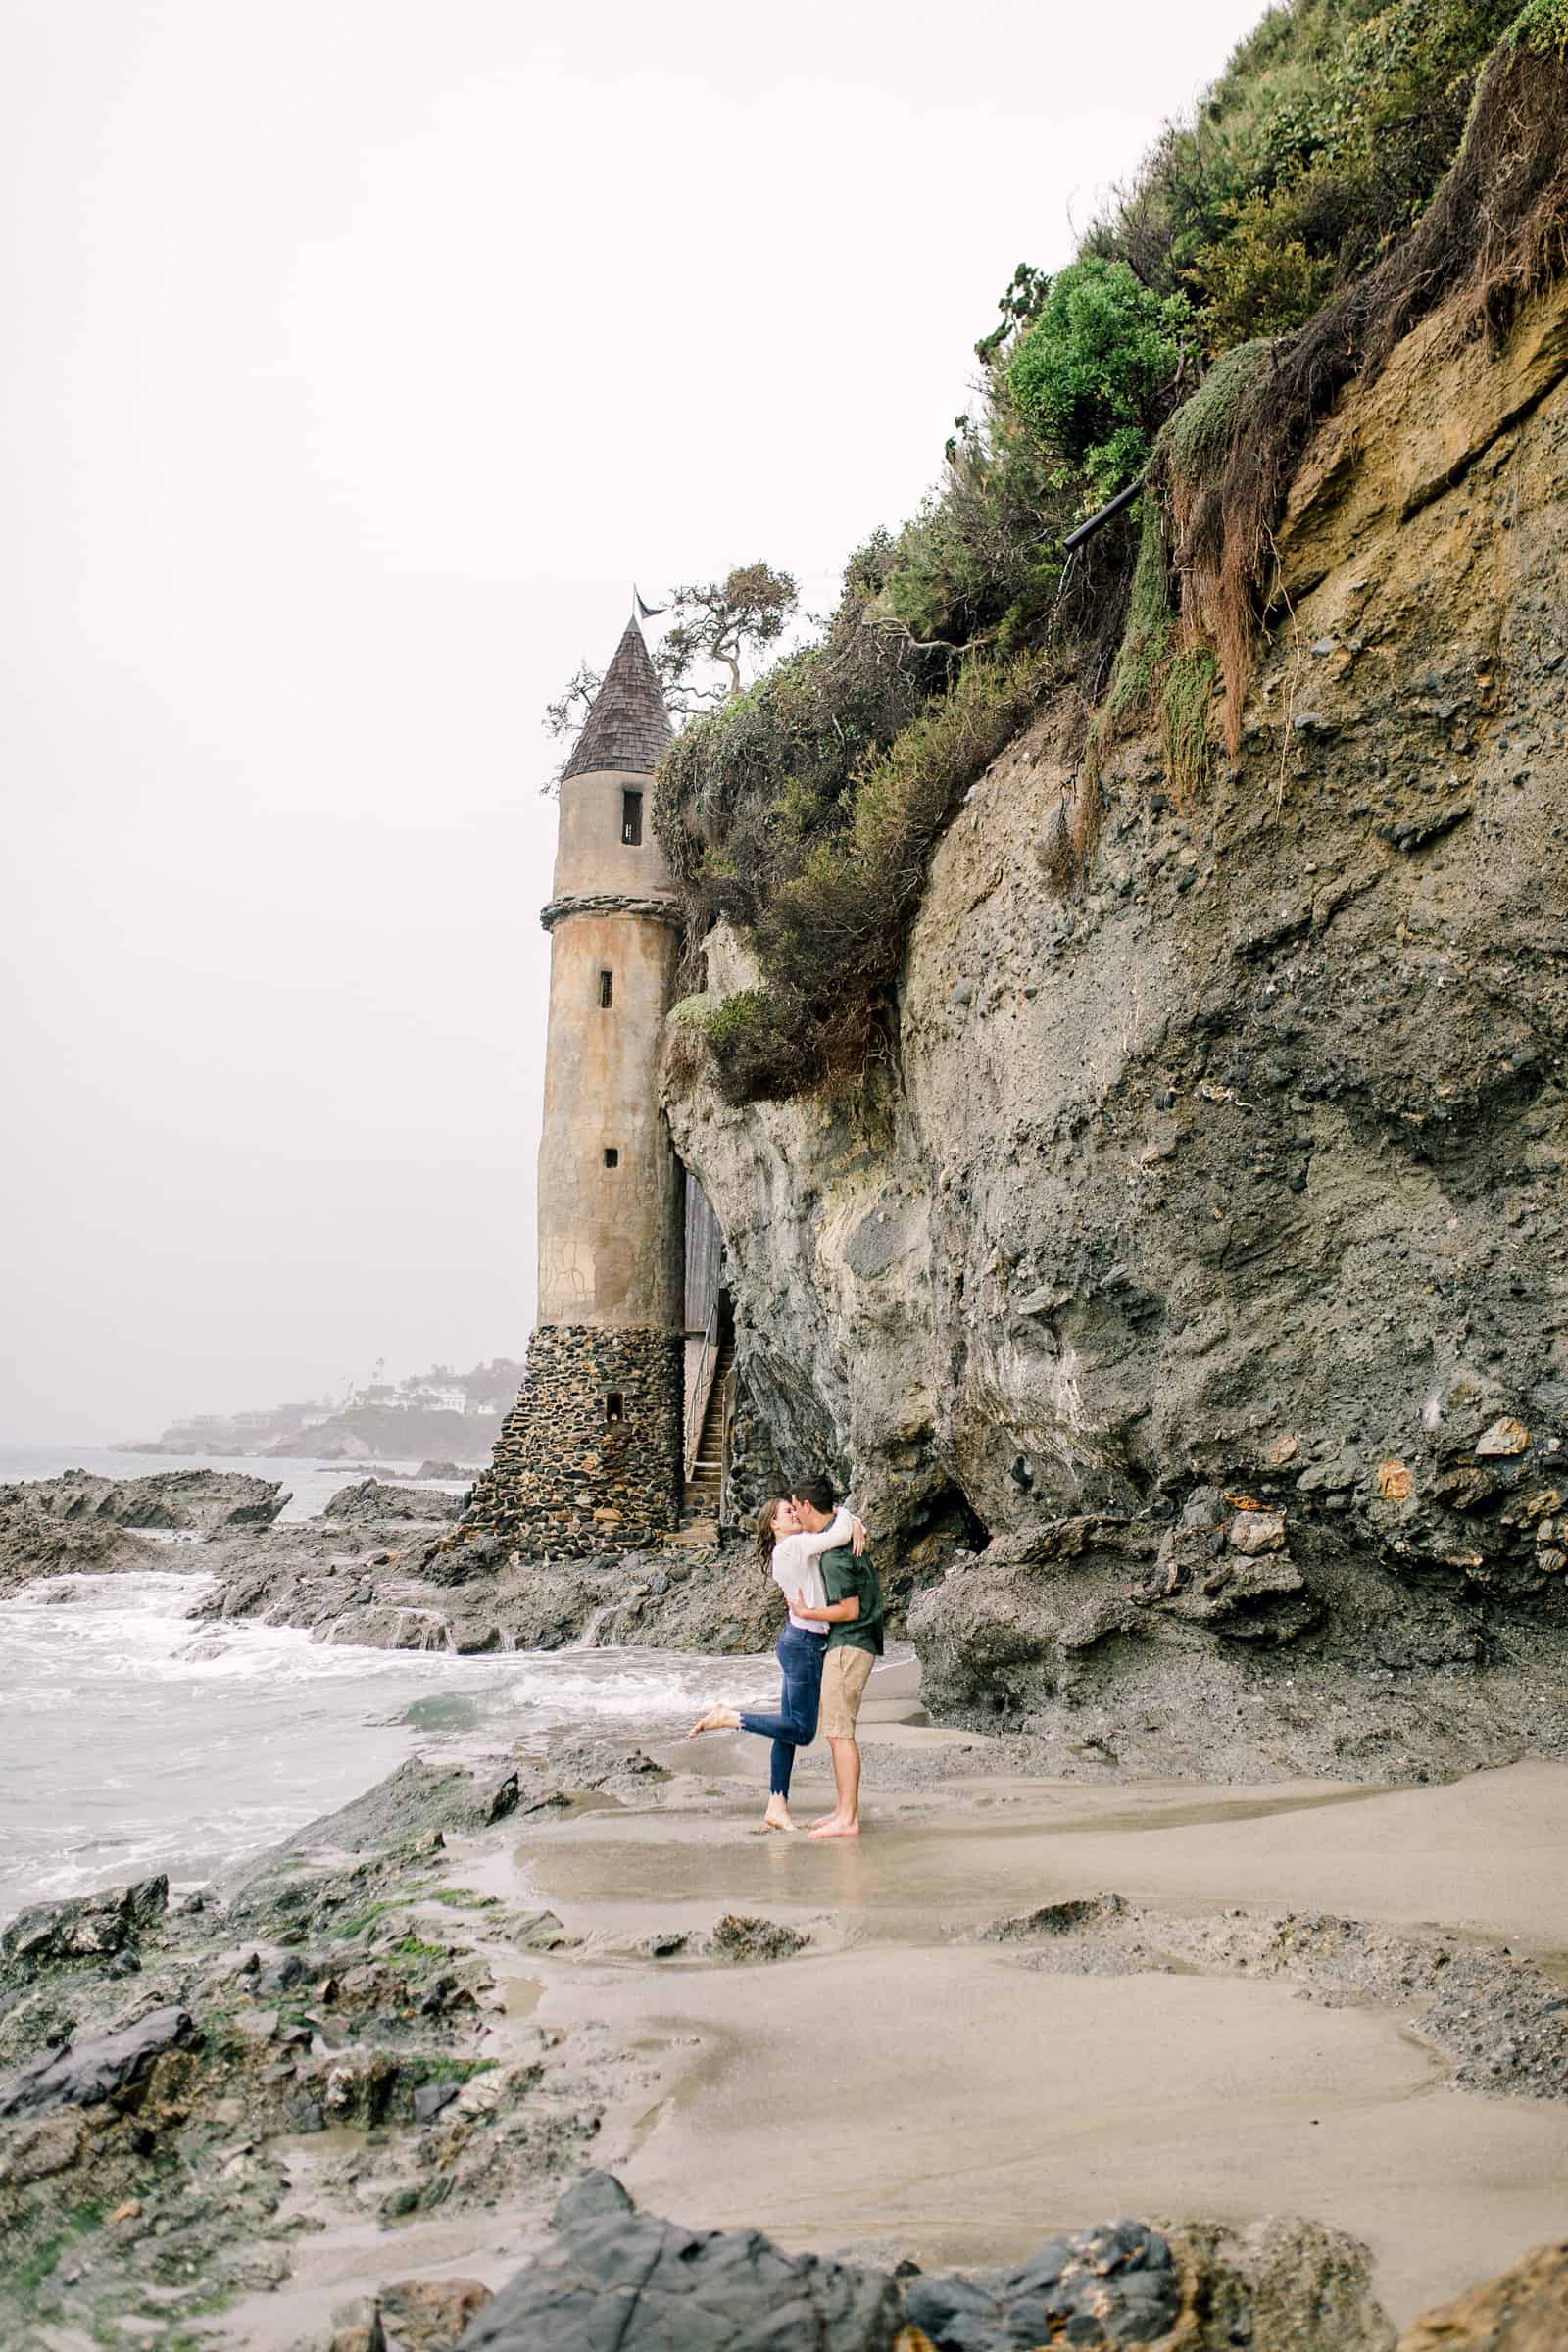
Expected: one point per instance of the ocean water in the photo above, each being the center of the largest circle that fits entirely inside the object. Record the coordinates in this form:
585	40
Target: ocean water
134	1739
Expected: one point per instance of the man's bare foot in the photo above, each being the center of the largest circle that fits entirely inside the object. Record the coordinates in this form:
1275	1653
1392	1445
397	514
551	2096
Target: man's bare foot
831	1826
717	1719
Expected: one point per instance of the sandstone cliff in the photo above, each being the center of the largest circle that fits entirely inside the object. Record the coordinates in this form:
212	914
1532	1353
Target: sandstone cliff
1198	1267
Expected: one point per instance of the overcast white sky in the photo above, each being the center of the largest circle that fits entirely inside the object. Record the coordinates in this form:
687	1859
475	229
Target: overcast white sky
360	354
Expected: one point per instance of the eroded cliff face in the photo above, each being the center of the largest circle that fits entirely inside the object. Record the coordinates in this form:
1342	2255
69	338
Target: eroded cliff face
1204	1248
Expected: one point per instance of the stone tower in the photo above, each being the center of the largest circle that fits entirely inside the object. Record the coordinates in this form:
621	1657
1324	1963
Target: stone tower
591	1455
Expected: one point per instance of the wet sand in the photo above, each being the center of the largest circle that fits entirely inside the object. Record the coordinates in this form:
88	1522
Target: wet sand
947	2106
896	2090
901	2087
1483	1855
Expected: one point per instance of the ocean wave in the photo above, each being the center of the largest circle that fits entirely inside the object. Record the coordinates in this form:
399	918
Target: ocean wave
135	1739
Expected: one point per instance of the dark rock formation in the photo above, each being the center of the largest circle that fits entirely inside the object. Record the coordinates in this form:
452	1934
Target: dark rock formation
201	1502
373	1503
105	2066
737	1937
402	1585
620	2281
82	1524
1114	2285
416	1802
35	1542
90	1927
618	2278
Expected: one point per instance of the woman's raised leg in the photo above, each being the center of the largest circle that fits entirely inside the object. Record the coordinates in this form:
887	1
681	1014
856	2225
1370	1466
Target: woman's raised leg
800	1658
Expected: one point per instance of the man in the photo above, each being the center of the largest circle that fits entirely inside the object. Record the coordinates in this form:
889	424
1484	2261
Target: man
853	1615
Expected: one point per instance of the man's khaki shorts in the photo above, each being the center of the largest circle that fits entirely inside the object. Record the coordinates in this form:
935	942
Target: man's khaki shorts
846	1670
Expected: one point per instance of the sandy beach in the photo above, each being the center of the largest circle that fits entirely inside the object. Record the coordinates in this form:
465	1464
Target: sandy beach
905	2085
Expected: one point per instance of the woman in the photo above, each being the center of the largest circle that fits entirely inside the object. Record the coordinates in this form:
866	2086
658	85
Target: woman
792	1556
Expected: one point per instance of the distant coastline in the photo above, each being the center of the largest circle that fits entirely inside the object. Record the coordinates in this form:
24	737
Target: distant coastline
434	1416
413	1438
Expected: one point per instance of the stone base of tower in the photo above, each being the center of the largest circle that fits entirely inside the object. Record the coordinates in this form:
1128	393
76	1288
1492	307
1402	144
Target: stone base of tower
590	1457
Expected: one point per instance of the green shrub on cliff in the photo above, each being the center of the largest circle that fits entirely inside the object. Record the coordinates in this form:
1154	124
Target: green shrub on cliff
1094	370
829	934
1261	278
1317	147
741	792
1542	28
757	1038
982	558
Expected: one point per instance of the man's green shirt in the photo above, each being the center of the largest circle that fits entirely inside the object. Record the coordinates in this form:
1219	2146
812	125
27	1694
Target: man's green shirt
847	1578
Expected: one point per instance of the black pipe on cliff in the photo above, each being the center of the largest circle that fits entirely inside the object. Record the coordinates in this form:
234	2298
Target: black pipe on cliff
1087	530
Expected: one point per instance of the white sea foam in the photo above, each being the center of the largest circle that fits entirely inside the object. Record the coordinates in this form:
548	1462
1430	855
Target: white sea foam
133	1739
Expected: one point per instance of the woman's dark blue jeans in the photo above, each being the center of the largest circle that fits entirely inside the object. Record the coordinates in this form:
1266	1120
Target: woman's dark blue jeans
799	1656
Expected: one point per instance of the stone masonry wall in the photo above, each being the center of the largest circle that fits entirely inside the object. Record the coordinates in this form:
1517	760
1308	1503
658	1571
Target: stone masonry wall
564	1479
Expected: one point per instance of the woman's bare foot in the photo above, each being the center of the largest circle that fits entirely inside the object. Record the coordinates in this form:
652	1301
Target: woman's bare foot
777	1816
832	1825
717	1719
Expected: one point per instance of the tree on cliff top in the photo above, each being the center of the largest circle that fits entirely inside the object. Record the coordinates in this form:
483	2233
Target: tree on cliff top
715	623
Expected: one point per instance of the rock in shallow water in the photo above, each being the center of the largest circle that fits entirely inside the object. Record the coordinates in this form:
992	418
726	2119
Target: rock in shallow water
372	1502
737	1937
92	1927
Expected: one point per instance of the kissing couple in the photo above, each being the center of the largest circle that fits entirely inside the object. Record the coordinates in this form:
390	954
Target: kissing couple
814	1548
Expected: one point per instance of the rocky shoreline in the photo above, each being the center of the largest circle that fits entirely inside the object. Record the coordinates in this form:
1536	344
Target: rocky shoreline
164	2065
1022	1641
331	2102
328	2104
1044	1639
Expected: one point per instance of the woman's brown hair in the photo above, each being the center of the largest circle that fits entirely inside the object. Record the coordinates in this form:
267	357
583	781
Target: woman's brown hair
765	1538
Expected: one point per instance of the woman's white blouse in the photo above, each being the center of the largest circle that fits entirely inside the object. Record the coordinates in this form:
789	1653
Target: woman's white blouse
796	1566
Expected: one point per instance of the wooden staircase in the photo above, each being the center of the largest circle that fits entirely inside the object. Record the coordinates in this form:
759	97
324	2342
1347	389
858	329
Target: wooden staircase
705	1488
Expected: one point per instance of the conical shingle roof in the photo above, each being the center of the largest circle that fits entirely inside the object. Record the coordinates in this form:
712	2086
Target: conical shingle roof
628	728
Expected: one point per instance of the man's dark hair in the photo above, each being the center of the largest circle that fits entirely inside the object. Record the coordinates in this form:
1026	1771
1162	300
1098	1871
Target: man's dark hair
820	1492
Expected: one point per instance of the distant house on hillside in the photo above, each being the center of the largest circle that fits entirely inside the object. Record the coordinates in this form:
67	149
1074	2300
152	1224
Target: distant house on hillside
417	1397
427	1396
